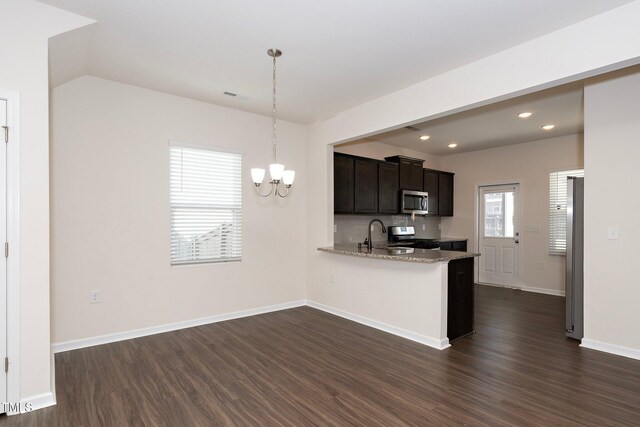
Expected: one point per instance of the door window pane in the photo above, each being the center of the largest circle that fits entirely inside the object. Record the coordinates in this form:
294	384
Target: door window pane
498	214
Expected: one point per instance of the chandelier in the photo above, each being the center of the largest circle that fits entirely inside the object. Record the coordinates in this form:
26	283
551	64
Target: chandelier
278	174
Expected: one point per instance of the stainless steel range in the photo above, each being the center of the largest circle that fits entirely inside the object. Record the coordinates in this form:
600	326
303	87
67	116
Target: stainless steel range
405	235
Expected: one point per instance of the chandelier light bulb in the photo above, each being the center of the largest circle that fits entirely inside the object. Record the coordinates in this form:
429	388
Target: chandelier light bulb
288	177
257	175
276	170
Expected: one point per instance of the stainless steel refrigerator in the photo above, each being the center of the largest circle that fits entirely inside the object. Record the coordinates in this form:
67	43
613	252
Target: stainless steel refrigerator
574	320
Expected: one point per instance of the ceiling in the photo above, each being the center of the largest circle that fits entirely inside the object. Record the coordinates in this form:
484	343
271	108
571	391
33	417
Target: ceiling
337	54
495	125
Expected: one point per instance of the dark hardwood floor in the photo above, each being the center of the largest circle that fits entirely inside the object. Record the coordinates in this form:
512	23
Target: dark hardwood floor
305	367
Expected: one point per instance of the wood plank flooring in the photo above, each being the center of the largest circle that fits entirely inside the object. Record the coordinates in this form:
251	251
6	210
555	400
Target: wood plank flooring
304	367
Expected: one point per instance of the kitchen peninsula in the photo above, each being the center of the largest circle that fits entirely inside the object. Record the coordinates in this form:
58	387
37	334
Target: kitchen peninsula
420	294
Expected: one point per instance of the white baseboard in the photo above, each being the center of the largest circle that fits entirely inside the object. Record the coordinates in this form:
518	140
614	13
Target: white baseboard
619	350
422	339
36	402
137	333
545	291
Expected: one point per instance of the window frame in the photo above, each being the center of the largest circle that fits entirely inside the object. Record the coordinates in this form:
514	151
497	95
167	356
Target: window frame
217	149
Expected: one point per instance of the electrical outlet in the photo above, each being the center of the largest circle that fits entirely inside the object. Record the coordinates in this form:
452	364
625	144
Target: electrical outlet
332	278
612	232
335	228
541	266
95	297
424	227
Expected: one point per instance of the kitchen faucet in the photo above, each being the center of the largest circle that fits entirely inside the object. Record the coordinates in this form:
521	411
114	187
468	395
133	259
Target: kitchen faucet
368	242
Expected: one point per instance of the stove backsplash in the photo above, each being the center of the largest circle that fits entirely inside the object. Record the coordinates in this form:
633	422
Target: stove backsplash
353	228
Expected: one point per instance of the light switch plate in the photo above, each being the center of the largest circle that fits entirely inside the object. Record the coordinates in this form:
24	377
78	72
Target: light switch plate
612	232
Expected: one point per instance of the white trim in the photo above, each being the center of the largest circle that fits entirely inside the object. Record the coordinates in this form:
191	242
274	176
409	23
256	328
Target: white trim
176	143
36	402
13	237
535	290
545	291
618	350
143	332
421	339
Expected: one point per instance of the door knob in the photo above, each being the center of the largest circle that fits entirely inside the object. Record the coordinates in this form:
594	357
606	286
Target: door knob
517	241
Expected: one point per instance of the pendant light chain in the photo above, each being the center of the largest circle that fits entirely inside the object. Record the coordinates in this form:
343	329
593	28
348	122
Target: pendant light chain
281	178
275	156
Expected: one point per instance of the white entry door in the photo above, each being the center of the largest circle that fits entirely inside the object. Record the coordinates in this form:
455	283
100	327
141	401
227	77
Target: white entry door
3	262
498	235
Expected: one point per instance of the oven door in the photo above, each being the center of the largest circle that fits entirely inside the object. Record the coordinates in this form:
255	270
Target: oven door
415	202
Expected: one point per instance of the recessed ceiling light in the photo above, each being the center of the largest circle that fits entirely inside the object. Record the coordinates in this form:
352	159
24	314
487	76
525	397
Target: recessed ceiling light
452	145
548	127
525	115
425	137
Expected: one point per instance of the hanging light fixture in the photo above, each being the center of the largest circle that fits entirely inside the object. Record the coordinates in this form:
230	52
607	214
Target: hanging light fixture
278	174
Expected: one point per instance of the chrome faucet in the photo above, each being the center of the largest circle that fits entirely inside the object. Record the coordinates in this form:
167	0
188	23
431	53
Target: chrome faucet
368	242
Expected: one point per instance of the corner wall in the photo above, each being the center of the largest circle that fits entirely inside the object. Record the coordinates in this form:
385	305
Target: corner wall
25	29
110	217
612	155
528	164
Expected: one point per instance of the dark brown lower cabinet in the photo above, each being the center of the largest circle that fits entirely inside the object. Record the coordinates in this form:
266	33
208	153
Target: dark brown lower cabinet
460	299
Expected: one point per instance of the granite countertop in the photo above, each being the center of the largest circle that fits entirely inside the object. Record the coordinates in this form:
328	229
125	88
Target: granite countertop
428	256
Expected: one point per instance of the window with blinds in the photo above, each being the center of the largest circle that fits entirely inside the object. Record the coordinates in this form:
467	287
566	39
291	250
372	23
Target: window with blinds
558	210
206	205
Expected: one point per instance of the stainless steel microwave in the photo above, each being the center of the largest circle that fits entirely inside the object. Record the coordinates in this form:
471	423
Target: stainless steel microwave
414	202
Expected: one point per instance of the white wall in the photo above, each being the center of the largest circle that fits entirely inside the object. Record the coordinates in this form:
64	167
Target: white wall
110	211
528	164
590	47
612	155
25	27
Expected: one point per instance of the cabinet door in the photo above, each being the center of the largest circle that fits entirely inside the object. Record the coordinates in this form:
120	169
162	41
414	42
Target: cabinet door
388	188
460	298
445	194
410	175
343	184
366	186
430	185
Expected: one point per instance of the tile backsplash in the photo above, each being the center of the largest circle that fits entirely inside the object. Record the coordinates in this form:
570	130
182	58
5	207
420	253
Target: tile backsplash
353	228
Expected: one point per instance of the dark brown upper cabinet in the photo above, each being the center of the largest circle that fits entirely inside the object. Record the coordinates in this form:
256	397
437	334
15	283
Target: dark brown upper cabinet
410	172
445	194
366	186
343	183
388	188
430	185
369	186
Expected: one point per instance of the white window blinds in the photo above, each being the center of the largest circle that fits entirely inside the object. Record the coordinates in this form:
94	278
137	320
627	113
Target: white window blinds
558	210
206	205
